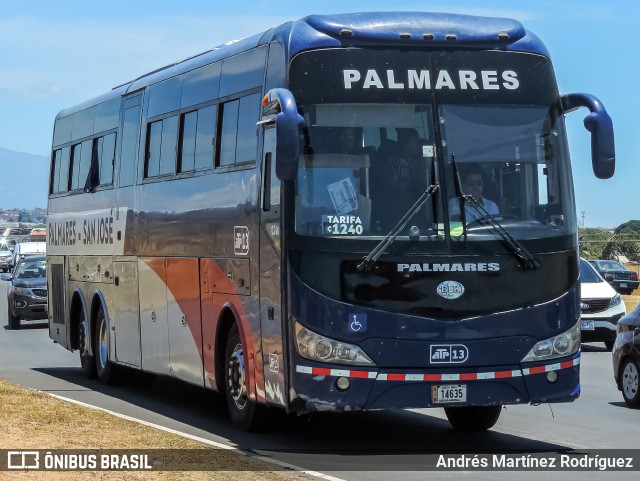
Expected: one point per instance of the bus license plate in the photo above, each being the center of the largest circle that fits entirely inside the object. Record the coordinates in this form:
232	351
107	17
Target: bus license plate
449	393
587	325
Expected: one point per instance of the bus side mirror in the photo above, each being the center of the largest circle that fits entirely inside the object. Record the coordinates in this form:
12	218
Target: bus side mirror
288	122
598	122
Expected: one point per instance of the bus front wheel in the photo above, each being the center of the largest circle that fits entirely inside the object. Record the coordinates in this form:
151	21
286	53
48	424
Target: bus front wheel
243	412
473	418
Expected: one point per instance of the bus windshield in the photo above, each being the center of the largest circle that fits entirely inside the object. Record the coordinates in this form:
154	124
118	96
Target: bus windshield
364	165
474	123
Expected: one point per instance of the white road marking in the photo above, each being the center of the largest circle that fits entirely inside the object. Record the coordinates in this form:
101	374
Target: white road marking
198	439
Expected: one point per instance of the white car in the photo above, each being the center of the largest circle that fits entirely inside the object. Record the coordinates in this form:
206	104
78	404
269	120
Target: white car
601	307
28	249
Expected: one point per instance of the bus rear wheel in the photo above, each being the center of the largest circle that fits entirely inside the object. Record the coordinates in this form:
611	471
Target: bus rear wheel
473	418
87	361
243	412
105	368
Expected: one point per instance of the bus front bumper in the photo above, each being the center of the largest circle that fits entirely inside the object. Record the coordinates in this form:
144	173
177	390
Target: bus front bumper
318	387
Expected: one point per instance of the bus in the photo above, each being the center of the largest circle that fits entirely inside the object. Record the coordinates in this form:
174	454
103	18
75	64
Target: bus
346	212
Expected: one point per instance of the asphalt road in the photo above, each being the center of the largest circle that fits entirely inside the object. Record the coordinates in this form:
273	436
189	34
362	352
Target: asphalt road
355	446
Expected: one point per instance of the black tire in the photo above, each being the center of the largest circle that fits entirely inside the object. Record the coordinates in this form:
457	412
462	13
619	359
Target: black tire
87	360
12	321
105	369
609	345
473	418
243	412
629	381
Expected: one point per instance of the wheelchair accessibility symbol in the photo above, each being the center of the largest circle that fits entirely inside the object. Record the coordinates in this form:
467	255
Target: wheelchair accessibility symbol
357	322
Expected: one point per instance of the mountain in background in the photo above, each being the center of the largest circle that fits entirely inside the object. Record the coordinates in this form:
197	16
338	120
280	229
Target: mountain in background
24	180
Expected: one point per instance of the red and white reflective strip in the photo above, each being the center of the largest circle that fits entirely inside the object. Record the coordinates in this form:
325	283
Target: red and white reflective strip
467	376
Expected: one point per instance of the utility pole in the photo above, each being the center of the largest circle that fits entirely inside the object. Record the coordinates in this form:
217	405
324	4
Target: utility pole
582	215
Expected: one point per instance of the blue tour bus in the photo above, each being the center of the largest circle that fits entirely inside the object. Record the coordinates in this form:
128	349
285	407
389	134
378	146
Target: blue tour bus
346	212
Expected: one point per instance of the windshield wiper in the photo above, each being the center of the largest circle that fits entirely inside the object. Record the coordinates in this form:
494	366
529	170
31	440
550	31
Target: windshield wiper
379	249
525	257
459	195
522	254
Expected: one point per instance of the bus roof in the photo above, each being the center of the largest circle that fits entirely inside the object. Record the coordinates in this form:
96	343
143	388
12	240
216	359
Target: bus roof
392	29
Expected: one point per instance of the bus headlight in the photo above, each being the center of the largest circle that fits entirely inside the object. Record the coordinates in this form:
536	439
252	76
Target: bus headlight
562	345
319	348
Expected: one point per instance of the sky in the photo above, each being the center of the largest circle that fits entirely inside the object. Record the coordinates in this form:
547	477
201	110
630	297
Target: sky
57	54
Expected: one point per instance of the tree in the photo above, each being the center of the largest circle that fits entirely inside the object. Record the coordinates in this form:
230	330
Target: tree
628	227
599	244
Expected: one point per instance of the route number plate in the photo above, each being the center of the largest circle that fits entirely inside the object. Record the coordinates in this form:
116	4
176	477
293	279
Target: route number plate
449	393
587	325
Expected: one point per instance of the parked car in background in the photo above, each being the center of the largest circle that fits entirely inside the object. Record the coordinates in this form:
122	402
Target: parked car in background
626	357
28	248
624	280
601	307
27	293
6	258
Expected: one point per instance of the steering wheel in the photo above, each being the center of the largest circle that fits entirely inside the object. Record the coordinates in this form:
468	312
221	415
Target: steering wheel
486	218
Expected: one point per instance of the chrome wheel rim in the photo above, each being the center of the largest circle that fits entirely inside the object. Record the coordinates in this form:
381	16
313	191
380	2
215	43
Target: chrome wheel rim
103	344
235	384
630	381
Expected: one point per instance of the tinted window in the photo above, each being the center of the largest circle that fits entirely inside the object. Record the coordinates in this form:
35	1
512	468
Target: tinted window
81	154
107	156
168	147
164	96
238	133
207	121
154	142
588	273
247	128
129	145
162	139
55	172
229	132
188	145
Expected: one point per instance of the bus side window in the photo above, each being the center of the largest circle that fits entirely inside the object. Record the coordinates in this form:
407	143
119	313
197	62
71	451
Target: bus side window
238	132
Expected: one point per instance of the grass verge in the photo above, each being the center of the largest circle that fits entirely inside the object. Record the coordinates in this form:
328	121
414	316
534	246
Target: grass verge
34	420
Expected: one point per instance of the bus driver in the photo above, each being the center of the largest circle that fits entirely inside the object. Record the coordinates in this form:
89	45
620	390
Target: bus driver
473	185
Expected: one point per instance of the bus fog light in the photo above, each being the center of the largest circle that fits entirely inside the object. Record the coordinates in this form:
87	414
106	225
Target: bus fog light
343	383
552	376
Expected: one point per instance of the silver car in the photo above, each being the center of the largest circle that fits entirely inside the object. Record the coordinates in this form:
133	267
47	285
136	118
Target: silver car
6	260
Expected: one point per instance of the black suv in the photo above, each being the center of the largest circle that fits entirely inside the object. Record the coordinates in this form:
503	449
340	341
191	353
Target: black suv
623	280
27	294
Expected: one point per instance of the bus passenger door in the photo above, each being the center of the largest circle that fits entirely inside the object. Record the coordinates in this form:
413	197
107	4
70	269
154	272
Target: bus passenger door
270	276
